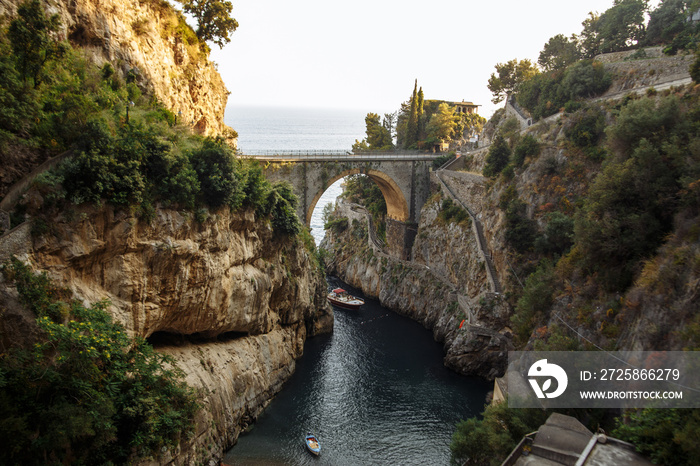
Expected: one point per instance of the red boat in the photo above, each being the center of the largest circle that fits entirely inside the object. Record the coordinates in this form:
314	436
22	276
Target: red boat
340	298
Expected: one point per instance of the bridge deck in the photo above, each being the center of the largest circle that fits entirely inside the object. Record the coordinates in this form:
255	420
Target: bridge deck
339	156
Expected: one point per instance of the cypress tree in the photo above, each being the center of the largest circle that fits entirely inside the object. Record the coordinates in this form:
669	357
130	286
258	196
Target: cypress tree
421	120
412	130
420	102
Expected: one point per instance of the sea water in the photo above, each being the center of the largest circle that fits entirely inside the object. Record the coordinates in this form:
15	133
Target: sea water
299	129
375	391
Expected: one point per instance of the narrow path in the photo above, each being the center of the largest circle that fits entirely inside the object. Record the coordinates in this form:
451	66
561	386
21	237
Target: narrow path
481	239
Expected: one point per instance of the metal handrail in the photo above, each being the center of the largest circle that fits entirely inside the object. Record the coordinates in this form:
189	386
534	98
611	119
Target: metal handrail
333	152
480	238
334	156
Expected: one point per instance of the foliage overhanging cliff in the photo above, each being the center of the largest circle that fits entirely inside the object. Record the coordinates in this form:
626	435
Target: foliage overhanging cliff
138	229
150	61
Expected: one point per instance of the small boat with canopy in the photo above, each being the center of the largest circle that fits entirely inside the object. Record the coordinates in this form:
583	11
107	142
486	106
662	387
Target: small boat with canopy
341	298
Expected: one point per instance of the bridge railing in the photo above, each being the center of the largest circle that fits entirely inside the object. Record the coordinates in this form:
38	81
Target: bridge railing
334	152
330	155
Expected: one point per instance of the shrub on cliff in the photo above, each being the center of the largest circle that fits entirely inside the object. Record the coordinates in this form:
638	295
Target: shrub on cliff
546	93
632	202
586	128
521	231
451	212
528	146
282	205
667	436
86	393
497	158
488	441
535	302
219	174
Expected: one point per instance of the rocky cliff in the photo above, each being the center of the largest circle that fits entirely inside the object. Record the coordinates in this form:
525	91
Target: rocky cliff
229	300
150	39
444	285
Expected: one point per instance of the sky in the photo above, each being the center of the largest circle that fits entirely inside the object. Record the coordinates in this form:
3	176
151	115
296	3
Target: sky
366	54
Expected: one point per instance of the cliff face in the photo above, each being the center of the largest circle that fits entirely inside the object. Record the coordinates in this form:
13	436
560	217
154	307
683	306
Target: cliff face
148	38
231	302
444	285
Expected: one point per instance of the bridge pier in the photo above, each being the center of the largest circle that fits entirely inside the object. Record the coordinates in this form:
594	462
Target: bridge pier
399	238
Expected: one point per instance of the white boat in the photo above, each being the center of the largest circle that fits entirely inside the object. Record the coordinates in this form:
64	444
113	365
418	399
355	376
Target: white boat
341	298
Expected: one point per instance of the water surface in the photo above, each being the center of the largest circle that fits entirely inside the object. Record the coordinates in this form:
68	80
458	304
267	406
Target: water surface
374	392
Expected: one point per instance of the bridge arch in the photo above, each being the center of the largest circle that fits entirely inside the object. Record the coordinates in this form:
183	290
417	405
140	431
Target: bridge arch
396	204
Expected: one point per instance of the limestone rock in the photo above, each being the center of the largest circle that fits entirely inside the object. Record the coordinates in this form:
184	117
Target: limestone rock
231	301
142	37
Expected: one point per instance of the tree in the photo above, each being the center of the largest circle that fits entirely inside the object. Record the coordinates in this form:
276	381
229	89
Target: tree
666	21
497	158
390	122
489	440
470	124
545	93
219	177
589	40
509	77
412	127
695	69
378	134
442	123
631	203
622	26
421	116
33	44
214	22
663	434
558	53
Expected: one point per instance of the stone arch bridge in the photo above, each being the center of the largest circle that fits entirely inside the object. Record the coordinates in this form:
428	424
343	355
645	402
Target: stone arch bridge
402	177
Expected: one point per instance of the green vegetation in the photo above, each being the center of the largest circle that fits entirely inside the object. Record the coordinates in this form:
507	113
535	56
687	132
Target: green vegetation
510	76
521	231
545	94
85	393
360	189
489	441
214	22
528	147
498	157
535	301
443	159
453	213
566	80
632	202
586	128
421	124
614	242
379	134
667	436
128	149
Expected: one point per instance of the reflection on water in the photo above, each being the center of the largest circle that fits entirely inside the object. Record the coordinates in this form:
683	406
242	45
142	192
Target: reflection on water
374	392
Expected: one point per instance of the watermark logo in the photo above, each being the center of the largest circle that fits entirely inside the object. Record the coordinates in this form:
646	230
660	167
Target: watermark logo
542	368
